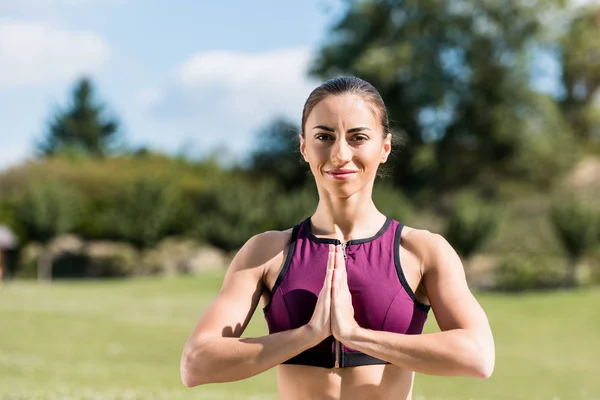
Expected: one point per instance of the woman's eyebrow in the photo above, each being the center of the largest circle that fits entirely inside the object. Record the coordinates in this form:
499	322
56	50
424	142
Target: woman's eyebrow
352	130
325	128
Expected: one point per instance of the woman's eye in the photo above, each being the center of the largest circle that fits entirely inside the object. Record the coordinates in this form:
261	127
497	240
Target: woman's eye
323	137
359	138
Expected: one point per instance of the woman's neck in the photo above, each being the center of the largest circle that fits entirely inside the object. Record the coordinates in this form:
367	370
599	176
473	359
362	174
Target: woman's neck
346	218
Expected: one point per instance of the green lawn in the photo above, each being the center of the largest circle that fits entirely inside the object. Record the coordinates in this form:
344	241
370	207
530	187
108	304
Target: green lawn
123	340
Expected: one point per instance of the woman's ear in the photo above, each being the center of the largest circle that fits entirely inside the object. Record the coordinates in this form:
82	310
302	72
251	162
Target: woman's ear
387	148
302	146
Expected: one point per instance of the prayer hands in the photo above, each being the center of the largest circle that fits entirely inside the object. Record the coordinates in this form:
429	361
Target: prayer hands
334	313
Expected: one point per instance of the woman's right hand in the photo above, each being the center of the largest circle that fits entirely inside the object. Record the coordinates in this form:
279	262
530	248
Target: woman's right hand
320	322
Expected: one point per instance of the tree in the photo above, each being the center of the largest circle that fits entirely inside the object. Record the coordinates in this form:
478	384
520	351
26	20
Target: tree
47	210
453	74
576	227
277	155
471	225
580	51
82	127
142	212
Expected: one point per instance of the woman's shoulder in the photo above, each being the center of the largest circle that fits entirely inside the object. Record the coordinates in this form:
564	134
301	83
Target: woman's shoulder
265	247
425	244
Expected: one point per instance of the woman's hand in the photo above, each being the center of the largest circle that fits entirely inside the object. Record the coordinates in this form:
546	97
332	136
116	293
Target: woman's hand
320	322
343	323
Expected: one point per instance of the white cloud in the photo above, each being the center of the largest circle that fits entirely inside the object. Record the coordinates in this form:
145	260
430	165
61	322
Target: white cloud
225	97
33	53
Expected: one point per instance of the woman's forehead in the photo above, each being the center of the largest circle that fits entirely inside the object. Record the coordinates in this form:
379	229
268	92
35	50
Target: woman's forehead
346	108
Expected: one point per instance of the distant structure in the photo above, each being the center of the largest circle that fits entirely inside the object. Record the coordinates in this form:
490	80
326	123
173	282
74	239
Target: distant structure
8	241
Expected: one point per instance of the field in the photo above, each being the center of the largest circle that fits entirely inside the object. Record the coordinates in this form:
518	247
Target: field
123	340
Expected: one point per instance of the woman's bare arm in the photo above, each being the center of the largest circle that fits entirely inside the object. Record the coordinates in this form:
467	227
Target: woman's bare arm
214	351
465	345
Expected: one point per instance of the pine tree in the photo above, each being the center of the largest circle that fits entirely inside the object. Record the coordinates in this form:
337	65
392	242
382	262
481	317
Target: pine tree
82	127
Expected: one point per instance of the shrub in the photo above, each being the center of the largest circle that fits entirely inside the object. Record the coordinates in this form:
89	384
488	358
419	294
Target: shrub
576	227
233	211
520	273
49	209
291	208
142	212
470	224
391	201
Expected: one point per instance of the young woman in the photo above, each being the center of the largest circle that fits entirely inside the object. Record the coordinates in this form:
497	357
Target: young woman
346	292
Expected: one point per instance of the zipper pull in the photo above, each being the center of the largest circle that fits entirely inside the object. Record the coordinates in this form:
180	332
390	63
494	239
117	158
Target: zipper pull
343	245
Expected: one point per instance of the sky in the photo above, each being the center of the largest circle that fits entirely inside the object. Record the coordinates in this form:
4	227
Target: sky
187	77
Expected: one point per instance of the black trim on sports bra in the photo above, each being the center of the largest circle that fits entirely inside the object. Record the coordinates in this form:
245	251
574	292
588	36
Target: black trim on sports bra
407	288
317	239
325	360
286	264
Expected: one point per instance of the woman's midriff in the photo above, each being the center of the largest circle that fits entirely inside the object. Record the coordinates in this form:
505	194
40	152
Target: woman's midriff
373	382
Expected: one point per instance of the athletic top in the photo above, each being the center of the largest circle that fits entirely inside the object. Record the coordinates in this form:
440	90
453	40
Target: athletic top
381	296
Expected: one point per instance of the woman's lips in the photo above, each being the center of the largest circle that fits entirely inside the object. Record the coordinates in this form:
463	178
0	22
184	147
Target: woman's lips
341	173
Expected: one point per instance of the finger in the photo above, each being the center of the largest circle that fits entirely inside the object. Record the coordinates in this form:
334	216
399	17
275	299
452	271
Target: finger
329	273
331	259
340	265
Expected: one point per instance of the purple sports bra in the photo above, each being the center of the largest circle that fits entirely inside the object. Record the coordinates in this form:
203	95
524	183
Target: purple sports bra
381	296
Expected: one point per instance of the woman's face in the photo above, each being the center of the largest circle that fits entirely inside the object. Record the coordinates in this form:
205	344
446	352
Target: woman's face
343	143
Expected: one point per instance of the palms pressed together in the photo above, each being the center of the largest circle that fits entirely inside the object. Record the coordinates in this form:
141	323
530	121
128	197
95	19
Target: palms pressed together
334	314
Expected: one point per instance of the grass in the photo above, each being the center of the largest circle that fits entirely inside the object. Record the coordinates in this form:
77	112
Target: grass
123	339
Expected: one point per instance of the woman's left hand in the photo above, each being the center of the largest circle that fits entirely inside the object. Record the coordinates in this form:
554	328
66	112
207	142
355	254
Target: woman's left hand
343	323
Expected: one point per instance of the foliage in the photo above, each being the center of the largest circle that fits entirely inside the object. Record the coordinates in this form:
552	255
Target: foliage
471	224
576	227
547	147
142	212
81	129
391	201
291	208
233	211
277	155
581	73
520	273
49	209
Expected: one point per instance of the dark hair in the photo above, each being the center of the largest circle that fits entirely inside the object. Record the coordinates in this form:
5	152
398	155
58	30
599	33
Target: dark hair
348	85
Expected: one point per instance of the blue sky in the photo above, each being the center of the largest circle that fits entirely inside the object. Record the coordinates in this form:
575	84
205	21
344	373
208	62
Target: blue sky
182	76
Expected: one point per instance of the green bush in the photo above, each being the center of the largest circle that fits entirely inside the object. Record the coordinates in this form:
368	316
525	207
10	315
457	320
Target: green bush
521	273
291	208
576	227
49	209
594	265
391	201
9	216
471	224
141	213
233	211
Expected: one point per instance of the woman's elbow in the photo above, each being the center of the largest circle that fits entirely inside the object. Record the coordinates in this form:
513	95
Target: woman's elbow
190	369
484	366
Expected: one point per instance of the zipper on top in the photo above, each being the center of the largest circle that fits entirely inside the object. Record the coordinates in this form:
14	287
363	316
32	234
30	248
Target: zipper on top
337	342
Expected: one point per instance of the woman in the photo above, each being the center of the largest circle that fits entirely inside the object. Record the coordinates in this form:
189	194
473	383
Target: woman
347	291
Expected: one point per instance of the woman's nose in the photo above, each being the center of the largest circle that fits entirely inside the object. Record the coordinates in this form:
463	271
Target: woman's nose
341	153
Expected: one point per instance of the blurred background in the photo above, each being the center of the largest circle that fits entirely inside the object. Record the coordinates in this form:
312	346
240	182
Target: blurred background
142	143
